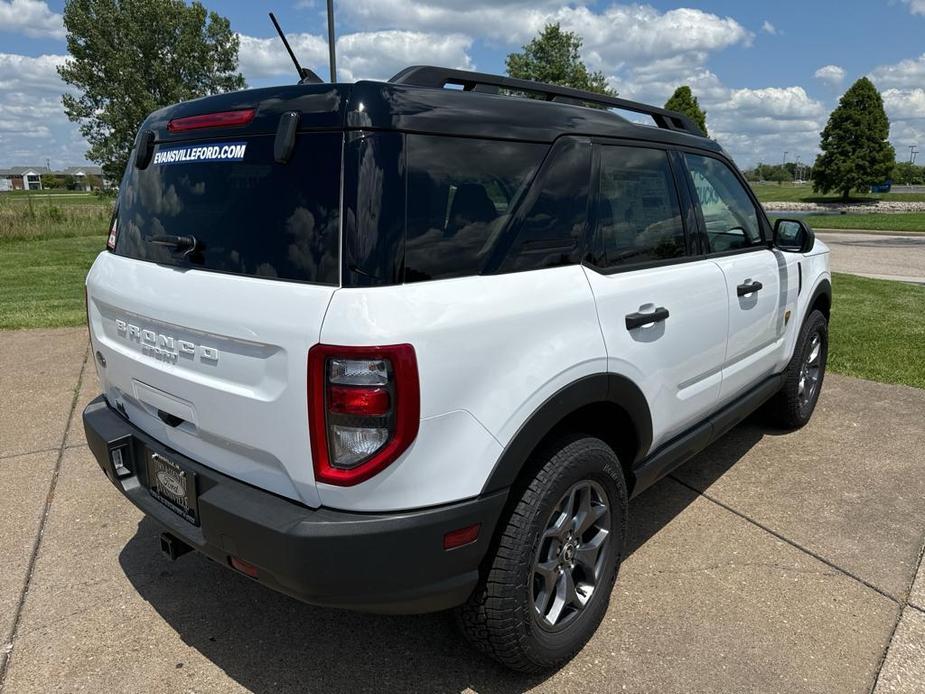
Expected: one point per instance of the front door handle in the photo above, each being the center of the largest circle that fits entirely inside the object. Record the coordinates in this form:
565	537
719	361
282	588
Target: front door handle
636	320
748	288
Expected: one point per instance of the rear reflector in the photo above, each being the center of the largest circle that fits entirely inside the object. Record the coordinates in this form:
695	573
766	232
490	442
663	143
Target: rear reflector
244	567
461	536
222	119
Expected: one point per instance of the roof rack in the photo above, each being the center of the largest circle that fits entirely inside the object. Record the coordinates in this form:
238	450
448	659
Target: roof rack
439	77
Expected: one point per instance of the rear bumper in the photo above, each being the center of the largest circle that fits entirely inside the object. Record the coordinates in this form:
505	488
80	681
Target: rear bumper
392	562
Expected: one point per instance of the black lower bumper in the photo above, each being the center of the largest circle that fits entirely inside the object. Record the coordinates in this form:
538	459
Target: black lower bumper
377	562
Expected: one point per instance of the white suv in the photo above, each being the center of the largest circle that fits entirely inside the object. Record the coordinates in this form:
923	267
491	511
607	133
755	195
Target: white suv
402	347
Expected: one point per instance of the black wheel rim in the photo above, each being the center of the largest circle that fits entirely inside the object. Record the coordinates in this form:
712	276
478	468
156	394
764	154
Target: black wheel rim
570	558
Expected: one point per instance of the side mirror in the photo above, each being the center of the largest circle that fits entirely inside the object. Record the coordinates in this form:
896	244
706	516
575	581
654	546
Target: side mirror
793	235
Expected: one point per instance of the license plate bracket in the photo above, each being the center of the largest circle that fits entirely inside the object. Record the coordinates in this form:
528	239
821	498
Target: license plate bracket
173	486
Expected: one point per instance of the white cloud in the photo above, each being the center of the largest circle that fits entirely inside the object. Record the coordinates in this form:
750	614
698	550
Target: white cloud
645	34
832	75
906	110
381	54
508	21
363	55
916	6
903	86
268	57
33	126
30	17
20	72
905	104
907	73
617	32
768	28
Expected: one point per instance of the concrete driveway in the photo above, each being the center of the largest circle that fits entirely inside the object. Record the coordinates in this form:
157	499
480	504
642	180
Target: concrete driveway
888	256
771	563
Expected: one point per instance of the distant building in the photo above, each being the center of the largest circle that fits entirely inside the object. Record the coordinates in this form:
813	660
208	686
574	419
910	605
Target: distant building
72	178
85	177
23	177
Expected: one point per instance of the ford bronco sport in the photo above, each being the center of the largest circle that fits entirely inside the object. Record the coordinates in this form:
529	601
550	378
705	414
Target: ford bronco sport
412	345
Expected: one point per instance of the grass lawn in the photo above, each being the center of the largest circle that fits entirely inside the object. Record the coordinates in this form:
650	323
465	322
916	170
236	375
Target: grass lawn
901	221
34	218
41	280
53	197
791	192
878	330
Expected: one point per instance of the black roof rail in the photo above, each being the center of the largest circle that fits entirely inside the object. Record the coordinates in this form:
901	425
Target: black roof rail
439	77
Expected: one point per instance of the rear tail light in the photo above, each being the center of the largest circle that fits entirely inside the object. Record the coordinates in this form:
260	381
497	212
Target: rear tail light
222	119
363	409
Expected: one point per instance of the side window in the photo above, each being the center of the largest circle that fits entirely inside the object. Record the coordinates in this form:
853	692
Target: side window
638	213
728	212
461	194
551	232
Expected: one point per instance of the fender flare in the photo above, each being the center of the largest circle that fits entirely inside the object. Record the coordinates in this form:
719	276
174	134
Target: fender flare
590	390
824	288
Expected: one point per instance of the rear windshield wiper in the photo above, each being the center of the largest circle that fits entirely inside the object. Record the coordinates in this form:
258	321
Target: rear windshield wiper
180	244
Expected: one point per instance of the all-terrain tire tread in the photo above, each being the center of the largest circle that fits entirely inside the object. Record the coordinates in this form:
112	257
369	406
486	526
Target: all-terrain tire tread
492	619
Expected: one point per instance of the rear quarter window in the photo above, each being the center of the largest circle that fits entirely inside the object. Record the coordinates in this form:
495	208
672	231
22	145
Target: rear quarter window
461	193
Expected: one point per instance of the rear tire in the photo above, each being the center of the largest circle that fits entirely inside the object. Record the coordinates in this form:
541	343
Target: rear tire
556	557
793	405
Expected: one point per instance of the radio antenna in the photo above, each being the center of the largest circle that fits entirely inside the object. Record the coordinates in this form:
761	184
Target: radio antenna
306	76
331	56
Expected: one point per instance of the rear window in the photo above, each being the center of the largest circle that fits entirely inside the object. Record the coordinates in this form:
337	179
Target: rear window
248	214
461	193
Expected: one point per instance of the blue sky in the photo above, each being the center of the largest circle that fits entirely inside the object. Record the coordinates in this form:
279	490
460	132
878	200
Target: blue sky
768	74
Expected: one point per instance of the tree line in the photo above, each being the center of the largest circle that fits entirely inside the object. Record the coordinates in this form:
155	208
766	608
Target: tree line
131	57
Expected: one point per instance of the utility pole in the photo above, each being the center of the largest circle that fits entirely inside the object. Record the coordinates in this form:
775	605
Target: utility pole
913	150
331	41
784	160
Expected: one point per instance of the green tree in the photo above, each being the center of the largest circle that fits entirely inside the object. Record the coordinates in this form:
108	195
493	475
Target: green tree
131	57
554	57
684	101
905	173
855	151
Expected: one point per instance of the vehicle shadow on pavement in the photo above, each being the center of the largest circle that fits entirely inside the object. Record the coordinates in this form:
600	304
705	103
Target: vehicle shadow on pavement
268	642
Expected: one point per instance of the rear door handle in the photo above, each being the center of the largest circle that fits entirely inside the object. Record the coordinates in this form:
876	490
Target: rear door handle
636	320
748	288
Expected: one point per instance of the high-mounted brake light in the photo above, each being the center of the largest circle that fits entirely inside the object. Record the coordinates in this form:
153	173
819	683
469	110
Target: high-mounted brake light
221	119
364	409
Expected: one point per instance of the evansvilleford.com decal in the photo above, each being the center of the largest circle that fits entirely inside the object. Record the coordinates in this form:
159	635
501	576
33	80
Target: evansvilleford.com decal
228	151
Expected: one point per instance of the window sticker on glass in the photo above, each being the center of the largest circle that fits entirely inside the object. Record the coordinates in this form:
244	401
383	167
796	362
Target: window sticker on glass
227	151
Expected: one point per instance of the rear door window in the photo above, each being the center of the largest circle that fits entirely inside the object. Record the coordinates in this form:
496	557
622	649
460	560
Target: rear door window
248	214
638	211
461	194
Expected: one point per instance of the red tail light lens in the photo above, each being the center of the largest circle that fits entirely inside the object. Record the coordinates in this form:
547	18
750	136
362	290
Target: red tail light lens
363	408
221	119
358	400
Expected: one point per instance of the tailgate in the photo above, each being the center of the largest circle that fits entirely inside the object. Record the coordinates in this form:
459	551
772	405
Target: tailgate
213	365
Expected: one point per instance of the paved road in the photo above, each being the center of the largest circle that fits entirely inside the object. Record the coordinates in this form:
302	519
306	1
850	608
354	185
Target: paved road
771	563
882	256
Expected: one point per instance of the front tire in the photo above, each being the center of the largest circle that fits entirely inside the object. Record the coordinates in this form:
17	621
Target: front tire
793	406
549	582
